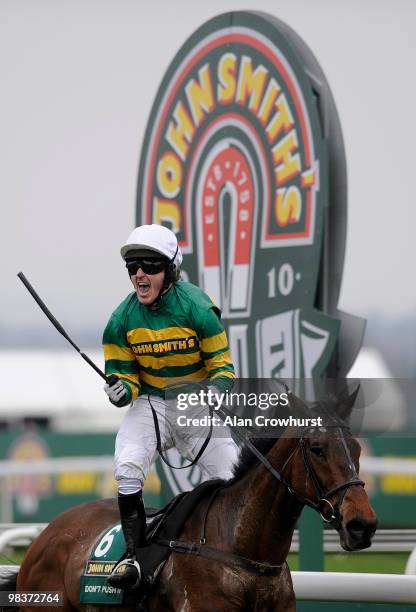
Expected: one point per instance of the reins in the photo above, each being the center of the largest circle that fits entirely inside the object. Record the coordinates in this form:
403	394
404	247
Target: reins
159	440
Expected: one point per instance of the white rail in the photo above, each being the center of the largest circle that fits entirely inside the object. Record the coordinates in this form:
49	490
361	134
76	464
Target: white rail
411	564
340	586
15	535
57	465
387	465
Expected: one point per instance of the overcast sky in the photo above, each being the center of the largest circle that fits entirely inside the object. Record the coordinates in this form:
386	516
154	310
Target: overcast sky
78	79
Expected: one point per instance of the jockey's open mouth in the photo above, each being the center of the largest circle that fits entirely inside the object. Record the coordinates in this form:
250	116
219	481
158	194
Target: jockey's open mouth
147	286
143	287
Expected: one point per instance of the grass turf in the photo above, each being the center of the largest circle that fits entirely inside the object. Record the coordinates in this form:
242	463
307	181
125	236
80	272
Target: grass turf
374	563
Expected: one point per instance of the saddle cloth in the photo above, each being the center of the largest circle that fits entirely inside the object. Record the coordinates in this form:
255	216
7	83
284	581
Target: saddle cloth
110	548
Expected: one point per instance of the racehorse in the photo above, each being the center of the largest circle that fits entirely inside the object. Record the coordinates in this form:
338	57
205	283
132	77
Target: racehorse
247	526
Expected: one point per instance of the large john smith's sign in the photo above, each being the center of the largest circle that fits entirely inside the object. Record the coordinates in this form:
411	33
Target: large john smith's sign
235	162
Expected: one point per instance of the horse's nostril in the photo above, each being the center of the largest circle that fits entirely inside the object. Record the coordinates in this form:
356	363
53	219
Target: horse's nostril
360	528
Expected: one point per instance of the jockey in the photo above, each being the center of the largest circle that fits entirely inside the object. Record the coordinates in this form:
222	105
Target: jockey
164	332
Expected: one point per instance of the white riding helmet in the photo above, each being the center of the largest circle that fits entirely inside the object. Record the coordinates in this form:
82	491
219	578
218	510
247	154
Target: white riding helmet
154	238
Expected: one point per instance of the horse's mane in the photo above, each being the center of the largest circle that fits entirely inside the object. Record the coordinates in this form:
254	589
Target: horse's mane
247	459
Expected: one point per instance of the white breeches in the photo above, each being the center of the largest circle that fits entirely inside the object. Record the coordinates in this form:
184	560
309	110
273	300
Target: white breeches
136	440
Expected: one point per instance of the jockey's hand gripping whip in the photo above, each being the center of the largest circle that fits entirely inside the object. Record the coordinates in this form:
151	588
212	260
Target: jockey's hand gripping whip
110	380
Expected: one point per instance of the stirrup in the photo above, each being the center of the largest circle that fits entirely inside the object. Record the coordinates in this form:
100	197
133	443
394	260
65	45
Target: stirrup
121	567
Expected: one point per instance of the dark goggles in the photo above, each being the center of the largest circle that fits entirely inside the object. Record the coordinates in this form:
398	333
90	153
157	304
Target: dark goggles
148	265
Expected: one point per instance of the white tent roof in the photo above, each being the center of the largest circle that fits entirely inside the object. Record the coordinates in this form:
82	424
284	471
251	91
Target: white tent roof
369	364
55	384
388	412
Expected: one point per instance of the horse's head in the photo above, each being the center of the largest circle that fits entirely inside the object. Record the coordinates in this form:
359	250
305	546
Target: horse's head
329	456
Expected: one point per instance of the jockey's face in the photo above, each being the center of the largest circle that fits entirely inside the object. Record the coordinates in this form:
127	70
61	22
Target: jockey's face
147	286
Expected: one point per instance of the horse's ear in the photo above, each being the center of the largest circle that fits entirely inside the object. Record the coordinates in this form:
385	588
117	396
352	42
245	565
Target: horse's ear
345	405
298	406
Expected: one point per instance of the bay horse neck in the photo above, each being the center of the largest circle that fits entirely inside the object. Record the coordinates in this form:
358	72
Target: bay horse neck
266	512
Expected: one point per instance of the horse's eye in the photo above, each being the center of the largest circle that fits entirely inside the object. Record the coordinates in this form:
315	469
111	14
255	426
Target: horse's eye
317	450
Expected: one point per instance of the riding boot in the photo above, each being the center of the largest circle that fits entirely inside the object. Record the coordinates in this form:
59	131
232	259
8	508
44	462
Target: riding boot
133	524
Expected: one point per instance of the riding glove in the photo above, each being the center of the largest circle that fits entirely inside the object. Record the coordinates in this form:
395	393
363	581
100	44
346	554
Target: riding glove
116	392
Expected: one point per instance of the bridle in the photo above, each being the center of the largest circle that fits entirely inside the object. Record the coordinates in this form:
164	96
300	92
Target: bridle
201	549
321	504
